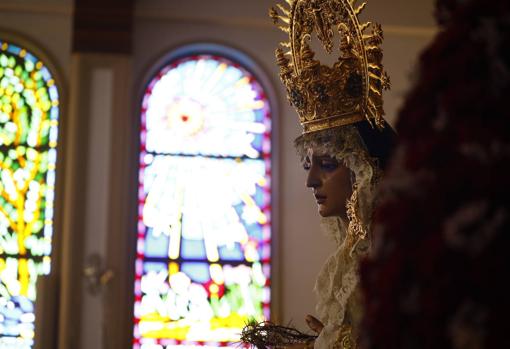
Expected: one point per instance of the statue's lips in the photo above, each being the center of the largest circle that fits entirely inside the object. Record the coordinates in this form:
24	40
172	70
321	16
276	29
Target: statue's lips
320	199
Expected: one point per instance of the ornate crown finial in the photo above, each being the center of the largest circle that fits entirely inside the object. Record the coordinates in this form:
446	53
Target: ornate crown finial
350	90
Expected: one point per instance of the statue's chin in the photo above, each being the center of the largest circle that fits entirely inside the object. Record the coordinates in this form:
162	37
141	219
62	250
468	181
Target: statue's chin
325	212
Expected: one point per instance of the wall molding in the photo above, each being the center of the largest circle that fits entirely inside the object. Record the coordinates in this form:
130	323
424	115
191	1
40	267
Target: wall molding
33	8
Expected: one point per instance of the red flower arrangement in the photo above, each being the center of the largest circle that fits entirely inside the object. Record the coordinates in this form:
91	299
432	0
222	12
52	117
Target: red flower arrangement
439	274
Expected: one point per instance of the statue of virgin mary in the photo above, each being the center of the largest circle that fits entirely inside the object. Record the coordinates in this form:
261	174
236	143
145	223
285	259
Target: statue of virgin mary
344	147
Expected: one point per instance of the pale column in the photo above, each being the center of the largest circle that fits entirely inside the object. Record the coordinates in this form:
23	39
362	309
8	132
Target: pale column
97	253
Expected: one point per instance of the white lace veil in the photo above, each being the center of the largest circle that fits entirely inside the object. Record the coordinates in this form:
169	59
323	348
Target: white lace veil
337	281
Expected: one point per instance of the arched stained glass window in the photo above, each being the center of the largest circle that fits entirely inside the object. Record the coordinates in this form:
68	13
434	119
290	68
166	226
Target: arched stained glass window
29	111
203	263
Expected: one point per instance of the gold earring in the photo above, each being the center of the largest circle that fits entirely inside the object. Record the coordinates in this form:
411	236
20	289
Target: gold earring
355	230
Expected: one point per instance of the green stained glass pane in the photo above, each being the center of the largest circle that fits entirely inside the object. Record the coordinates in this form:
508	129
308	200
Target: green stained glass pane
26	201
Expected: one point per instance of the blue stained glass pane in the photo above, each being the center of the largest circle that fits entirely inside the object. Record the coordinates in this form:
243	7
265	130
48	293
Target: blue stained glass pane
31	58
14	49
259	196
50	195
50	178
255	231
25	305
54	113
193	249
156	245
53	93
52	155
198	272
257	142
53	134
47	234
45	74
260	114
231	252
154	267
12	313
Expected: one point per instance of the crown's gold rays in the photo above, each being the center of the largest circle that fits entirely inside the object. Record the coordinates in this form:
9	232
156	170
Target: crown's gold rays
375	90
273	13
360	8
276	17
350	90
364	26
285	11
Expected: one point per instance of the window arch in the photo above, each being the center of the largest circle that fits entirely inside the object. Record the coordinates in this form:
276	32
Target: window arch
29	113
204	218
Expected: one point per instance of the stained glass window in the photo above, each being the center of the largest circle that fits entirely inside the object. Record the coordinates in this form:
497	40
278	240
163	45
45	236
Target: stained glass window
204	233
29	110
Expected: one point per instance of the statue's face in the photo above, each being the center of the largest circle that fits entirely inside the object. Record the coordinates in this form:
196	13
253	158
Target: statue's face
330	181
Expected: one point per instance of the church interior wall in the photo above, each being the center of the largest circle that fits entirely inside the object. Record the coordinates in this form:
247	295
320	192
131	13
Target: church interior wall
47	24
162	25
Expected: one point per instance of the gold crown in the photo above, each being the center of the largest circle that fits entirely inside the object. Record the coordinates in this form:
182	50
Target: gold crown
350	90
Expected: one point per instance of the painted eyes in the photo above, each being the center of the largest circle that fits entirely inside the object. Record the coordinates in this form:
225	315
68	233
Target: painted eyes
326	164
